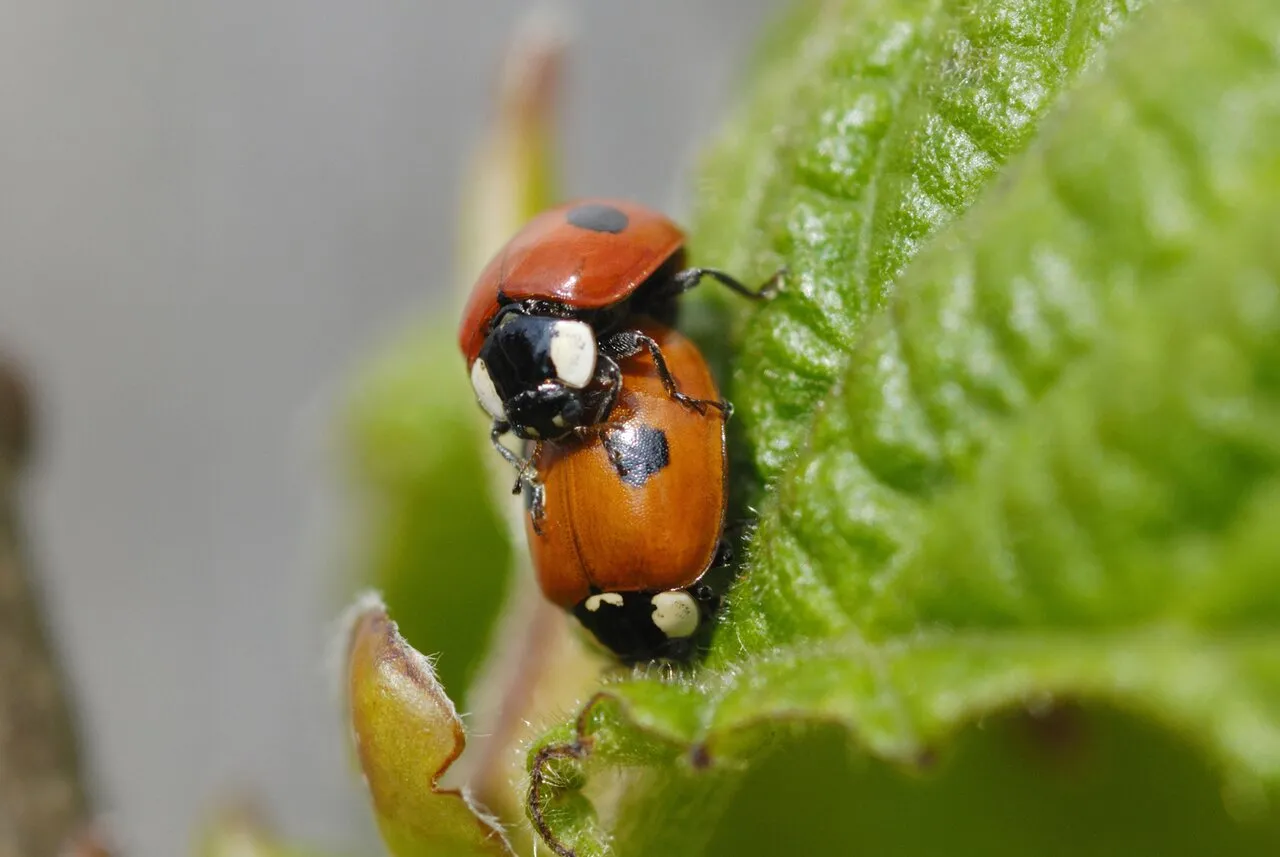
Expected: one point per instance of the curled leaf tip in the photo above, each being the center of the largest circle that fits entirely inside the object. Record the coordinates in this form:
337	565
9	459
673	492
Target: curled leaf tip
407	734
337	655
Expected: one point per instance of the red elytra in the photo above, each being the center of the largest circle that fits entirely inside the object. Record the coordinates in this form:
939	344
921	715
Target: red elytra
583	267
606	533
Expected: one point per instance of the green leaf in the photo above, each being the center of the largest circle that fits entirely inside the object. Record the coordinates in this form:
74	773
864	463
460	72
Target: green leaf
407	734
1039	482
880	122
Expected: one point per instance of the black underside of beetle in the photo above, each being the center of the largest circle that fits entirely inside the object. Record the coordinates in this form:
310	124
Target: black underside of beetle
628	629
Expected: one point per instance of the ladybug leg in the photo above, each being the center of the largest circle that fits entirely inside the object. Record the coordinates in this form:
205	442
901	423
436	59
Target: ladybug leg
527	479
691	277
724	552
611	377
525	471
586	433
495	437
630	342
710	598
537	501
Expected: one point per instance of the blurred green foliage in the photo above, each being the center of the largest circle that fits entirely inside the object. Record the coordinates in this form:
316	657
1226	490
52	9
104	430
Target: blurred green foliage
434	543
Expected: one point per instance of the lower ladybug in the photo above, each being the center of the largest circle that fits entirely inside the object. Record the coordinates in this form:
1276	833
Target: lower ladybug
554	312
634	511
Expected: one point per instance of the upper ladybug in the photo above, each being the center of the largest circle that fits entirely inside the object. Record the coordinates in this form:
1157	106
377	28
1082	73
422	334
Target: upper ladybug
554	310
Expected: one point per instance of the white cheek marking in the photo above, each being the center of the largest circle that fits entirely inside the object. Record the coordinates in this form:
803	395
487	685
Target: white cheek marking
675	613
486	392
558	421
594	602
573	352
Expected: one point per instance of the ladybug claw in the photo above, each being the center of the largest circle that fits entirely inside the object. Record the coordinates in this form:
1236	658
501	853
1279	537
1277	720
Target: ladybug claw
701	405
689	402
773	285
537	508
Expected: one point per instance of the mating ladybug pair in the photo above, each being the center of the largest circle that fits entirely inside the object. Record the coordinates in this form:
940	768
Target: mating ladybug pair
568	340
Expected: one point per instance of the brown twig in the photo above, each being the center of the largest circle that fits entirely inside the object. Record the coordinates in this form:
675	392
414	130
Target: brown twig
42	796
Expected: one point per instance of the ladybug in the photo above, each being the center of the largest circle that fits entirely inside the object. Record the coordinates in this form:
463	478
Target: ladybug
635	510
556	309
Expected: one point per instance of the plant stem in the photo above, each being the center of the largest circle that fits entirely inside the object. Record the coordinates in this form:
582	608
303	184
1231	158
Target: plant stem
42	795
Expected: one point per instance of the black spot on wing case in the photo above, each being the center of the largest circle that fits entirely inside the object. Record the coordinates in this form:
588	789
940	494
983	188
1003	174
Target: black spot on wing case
598	218
637	452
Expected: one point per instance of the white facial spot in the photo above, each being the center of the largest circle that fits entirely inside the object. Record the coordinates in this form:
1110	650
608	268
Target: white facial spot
486	392
675	613
594	602
558	421
573	352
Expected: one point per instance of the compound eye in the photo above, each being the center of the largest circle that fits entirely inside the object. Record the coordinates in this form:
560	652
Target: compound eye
573	352
486	393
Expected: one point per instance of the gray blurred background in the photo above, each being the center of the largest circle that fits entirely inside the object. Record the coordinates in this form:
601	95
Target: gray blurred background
208	210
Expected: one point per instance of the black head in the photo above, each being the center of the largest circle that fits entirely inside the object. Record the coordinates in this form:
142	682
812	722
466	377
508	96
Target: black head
543	375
